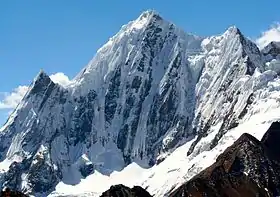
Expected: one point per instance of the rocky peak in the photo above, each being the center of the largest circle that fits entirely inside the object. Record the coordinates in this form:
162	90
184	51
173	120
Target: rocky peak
149	14
249	50
232	39
41	76
40	83
233	30
138	42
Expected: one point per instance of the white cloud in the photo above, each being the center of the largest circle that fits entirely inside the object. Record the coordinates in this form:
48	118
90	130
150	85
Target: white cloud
273	34
60	78
11	100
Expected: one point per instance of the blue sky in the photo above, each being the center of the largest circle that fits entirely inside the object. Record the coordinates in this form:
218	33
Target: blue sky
62	36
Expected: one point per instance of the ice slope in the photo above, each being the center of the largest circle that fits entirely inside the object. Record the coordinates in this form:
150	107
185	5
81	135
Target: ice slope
151	89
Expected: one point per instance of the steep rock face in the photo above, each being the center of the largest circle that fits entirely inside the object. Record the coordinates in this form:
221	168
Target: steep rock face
225	89
123	191
150	89
271	140
145	86
24	142
245	169
271	55
272	50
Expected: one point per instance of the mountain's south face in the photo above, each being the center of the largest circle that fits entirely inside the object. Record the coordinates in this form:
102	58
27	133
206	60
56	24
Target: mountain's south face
150	89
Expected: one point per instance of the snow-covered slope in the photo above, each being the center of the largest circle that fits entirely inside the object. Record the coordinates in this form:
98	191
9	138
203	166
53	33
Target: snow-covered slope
152	96
177	168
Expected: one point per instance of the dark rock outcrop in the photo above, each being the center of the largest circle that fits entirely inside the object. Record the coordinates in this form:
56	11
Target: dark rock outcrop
123	191
247	168
272	49
8	193
271	140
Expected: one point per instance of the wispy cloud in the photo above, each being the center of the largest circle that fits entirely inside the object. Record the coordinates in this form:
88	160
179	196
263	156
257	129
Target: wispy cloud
11	100
272	34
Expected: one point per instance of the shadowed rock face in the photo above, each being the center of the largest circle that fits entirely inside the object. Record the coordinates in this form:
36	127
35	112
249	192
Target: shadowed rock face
247	168
123	191
272	49
271	140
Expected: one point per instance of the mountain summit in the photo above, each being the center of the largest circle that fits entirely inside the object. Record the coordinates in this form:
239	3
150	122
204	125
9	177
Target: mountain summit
151	88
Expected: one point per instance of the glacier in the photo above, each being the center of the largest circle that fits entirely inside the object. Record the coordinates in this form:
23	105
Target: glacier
154	107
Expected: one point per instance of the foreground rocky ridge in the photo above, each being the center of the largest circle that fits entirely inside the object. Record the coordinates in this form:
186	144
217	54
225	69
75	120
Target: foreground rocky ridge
147	91
123	191
9	193
248	168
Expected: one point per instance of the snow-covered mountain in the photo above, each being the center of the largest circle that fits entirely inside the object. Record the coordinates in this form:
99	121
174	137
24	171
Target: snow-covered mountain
153	96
